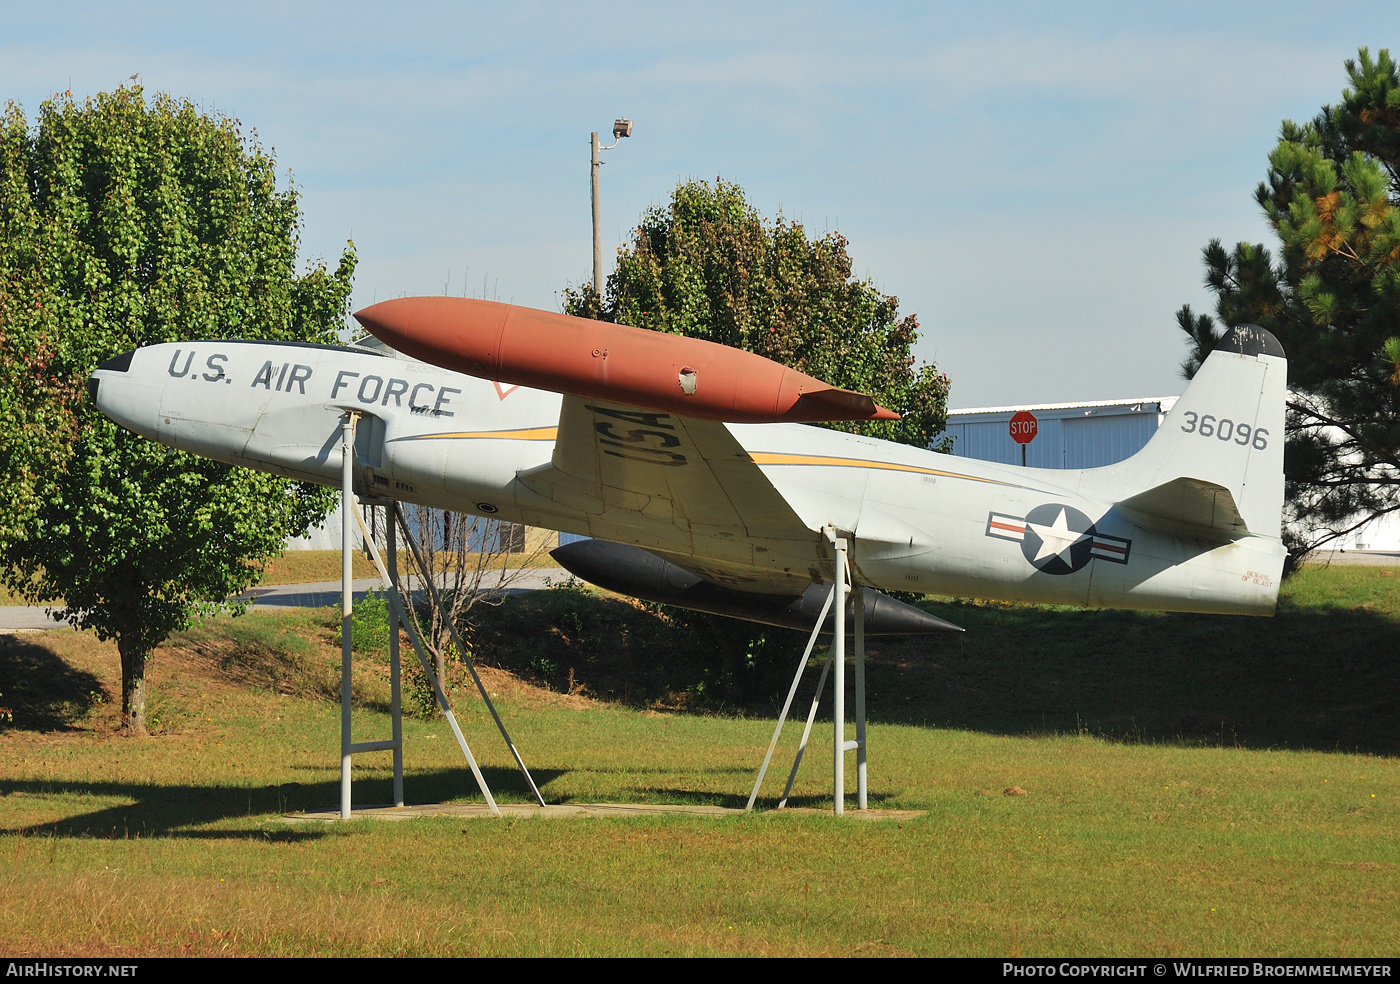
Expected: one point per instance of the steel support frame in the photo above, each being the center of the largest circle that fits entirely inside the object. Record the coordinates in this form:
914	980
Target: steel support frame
840	588
388	575
466	658
349	747
401	617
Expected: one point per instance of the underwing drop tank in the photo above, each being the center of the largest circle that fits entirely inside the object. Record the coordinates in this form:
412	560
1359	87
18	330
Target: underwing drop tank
639	573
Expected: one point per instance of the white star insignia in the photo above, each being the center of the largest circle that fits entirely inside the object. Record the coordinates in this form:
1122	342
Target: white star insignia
1056	539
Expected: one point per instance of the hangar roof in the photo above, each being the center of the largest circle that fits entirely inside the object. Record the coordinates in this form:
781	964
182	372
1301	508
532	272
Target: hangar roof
1158	404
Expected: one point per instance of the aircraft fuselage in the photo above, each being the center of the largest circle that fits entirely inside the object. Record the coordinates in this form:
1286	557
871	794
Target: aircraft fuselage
920	521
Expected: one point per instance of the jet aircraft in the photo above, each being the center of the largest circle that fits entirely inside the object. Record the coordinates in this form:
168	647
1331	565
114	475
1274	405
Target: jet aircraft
690	464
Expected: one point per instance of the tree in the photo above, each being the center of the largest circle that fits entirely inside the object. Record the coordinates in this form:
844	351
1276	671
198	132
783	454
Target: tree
125	223
473	560
1332	194
707	265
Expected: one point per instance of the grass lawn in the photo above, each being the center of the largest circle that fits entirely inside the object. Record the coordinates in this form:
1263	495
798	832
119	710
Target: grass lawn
306	566
1192	785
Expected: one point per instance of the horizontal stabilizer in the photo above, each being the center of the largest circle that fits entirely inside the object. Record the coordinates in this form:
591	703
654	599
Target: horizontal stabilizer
1192	502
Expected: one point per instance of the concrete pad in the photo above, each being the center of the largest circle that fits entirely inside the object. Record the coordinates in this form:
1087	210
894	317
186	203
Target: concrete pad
561	811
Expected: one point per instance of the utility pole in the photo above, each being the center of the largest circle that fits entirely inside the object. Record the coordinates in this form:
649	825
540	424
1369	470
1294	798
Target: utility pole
621	128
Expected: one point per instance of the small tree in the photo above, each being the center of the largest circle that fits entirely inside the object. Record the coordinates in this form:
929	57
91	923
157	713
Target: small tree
709	266
1333	299
127	223
473	560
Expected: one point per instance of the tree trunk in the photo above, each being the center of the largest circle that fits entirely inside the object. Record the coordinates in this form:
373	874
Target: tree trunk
133	687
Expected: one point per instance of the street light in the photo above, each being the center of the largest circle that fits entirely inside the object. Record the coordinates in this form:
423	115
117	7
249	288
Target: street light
621	128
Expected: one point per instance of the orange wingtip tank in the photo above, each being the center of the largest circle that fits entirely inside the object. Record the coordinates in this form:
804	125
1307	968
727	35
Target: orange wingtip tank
633	366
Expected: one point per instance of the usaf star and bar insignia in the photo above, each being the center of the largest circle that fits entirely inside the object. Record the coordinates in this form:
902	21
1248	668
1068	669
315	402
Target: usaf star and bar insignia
1058	539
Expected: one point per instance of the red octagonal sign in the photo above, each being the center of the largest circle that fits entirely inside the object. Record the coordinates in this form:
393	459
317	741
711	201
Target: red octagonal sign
1024	427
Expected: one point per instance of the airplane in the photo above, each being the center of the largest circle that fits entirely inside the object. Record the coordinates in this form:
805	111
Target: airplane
691	467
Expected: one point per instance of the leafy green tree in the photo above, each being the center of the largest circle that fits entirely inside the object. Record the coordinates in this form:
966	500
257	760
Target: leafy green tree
126	222
708	266
1332	297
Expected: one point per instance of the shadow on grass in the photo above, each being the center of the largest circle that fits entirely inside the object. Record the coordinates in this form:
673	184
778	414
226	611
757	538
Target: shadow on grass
1317	678
42	691
1322	674
180	811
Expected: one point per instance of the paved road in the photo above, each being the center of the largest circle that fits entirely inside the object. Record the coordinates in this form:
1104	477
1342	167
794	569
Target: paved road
319	594
1375	558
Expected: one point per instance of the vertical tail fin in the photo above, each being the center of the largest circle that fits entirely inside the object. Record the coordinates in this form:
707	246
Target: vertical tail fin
1217	460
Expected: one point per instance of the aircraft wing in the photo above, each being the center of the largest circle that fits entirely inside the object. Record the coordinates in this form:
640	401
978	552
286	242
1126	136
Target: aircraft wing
683	486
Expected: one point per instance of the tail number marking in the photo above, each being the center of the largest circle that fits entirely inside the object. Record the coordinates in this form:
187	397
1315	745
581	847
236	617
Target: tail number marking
1225	429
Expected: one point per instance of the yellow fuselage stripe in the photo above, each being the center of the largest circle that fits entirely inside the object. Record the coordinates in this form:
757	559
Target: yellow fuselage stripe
759	458
525	434
770	458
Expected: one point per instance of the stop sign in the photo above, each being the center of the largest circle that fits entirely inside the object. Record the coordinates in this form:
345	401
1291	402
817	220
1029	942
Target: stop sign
1024	427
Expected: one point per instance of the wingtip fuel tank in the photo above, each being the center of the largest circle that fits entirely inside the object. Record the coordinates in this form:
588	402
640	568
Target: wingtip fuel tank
600	360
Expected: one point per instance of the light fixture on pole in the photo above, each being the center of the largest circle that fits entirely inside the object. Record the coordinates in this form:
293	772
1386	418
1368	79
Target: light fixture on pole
621	128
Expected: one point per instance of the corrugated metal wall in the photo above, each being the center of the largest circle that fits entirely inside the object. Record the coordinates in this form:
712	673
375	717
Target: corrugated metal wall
1080	435
1093	441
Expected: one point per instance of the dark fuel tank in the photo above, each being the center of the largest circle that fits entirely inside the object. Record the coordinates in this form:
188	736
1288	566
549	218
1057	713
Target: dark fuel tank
640	573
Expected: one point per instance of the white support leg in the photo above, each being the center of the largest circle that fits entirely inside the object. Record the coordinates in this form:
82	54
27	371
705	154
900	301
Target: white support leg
858	613
391	558
838	657
792	692
347	553
806	731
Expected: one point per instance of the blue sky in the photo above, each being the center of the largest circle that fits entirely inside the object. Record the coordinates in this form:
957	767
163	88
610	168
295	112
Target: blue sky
1035	181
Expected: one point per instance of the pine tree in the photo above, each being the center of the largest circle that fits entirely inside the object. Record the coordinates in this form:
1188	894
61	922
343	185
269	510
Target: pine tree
1332	296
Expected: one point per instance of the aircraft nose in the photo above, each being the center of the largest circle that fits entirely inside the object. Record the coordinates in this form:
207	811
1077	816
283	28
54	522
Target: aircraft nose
124	396
117	363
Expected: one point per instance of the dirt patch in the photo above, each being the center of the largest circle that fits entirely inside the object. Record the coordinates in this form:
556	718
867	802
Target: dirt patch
503	683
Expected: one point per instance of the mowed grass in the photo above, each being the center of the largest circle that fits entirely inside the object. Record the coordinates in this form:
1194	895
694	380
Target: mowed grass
1177	835
307	566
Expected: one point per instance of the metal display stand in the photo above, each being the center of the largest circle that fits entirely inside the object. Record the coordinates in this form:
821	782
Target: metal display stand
840	746
388	575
